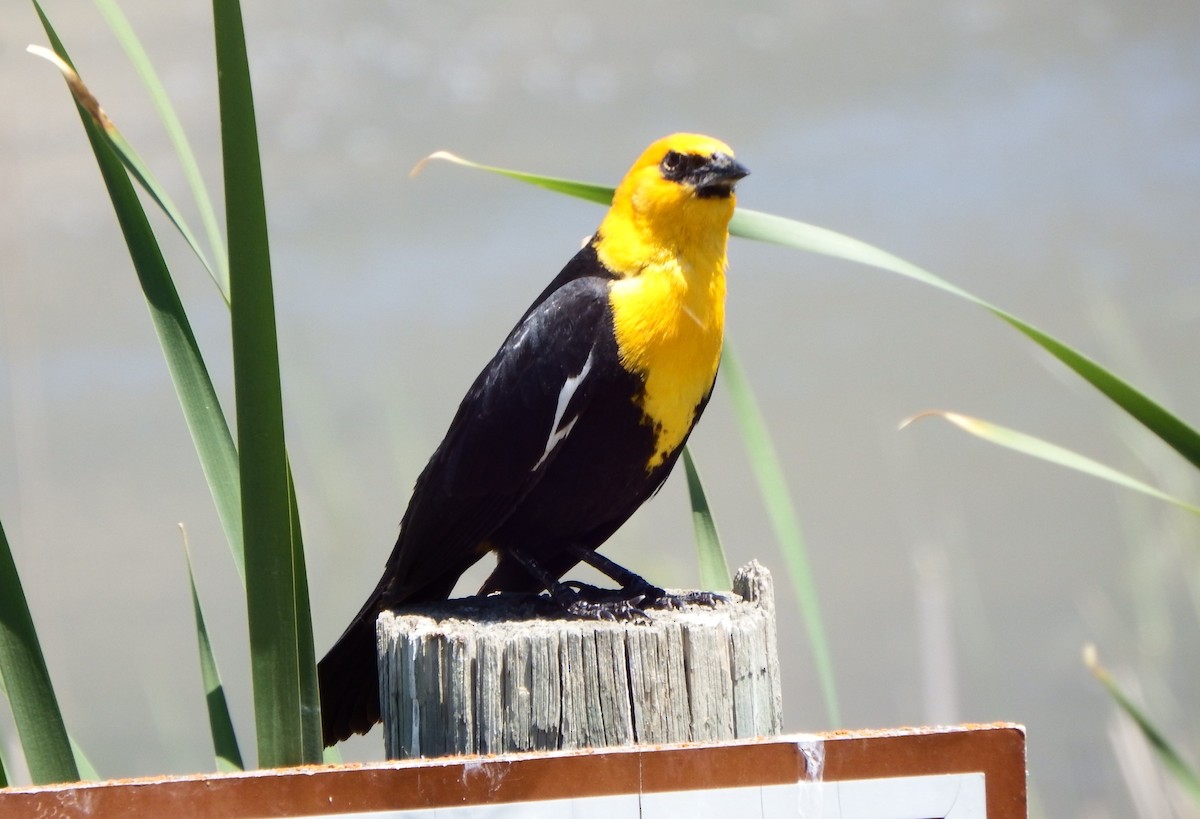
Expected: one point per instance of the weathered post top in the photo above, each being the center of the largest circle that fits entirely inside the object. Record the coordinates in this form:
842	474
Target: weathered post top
491	675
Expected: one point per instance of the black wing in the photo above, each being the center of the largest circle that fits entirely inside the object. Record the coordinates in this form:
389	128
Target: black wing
504	435
497	448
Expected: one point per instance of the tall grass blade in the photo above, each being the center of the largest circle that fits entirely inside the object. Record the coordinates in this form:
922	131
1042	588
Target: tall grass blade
600	194
82	763
220	723
310	695
1184	774
1046	451
27	682
197	397
3	773
166	111
768	228
283	717
124	151
714	566
773	487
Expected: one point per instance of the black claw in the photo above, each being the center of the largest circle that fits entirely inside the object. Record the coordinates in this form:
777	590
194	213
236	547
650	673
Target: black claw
589	602
607	610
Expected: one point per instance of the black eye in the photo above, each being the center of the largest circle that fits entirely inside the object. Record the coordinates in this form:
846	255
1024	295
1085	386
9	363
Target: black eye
673	165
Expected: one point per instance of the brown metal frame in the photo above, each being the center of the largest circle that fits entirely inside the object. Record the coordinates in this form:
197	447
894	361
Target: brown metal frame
996	750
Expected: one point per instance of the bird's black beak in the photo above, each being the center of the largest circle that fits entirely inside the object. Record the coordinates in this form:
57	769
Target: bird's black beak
717	176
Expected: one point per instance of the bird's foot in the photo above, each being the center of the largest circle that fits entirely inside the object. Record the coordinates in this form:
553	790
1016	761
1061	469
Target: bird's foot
590	602
654	597
645	595
606	610
629	603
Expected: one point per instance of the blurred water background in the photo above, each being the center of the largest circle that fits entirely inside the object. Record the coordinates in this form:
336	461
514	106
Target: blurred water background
1045	156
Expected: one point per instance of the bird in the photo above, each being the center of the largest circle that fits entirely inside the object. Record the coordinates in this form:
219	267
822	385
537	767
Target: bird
574	423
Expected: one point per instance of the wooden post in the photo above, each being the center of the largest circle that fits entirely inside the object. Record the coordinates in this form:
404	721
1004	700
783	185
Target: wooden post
491	675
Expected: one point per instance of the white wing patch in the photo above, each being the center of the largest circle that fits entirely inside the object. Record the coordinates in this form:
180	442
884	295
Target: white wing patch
558	430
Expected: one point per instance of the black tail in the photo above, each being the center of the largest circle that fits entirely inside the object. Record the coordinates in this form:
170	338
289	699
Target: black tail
349	680
349	673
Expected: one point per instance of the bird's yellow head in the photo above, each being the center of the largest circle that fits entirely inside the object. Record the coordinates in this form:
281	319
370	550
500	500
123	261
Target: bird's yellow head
677	199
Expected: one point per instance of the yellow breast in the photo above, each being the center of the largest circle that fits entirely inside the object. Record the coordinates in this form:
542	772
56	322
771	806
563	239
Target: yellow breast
669	323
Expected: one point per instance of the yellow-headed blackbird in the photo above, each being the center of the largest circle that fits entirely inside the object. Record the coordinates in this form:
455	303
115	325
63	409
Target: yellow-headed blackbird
575	422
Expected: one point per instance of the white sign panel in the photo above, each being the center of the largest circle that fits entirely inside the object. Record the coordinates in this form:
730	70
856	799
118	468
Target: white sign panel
946	796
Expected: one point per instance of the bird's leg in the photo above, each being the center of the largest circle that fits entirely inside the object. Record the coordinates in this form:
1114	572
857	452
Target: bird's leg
597	604
627	580
636	586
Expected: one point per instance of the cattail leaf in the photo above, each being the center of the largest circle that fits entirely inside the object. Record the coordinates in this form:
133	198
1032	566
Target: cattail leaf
710	554
1046	451
285	711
